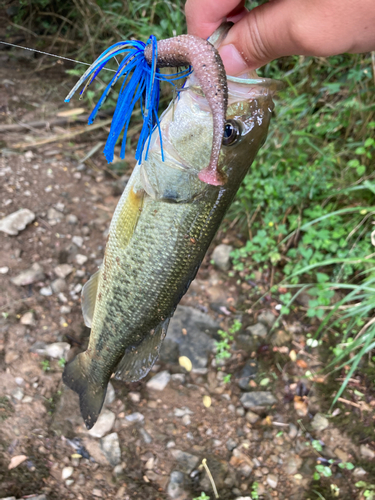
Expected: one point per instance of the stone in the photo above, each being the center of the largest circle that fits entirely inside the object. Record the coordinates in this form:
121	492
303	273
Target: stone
257	398
221	256
58	285
71	219
67	472
258	330
190	334
27	319
293	464
53	216
268	318
135	397
175	489
179	378
17	221
231	444
186	420
63	270
272	480
293	431
186	461
359	472
46	291
159	381
55	350
319	422
4	270
252	417
135	418
118	470
78	241
81	259
110	445
103	425
366	452
248	373
31	275
145	435
17	394
110	395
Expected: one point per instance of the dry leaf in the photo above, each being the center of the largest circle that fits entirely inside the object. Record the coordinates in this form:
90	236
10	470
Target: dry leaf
185	362
293	355
16	461
300	406
207	401
71	112
301	363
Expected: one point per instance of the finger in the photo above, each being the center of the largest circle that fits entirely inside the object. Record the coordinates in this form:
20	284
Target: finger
205	16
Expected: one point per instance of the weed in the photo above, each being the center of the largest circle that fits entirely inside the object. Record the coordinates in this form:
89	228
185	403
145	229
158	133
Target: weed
45	365
61	362
202	496
254	491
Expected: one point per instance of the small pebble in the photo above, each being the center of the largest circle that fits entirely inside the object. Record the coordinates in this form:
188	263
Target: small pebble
67	472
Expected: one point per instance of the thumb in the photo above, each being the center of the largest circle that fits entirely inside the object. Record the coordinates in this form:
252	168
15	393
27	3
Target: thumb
262	35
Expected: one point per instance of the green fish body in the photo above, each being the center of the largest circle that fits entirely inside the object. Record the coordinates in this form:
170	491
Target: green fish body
159	234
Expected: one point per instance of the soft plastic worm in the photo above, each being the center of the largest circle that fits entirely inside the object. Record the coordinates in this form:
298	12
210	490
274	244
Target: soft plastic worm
208	68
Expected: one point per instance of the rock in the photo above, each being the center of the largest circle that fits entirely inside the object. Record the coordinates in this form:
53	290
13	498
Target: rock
359	472
78	240
231	444
342	455
135	397
191	331
118	470
110	395
319	422
258	330
186	461
293	431
111	448
159	381
67	472
181	412
221	256
17	394
31	275
53	216
27	319
175	489
240	412
46	291
56	350
272	480
248	373
17	221
268	318
145	435
71	219
135	418
253	399
252	417
186	420
81	259
104	424
4	270
366	452
58	285
293	464
63	270
179	378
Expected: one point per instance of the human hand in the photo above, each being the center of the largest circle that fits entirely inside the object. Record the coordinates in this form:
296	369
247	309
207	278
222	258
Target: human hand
284	27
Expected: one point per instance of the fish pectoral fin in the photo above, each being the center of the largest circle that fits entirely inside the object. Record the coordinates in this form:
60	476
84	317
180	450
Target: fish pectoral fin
138	360
88	298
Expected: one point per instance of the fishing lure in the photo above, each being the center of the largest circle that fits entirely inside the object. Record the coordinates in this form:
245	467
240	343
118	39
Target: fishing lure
142	77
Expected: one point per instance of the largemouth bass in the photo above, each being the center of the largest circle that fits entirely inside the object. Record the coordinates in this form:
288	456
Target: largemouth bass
160	232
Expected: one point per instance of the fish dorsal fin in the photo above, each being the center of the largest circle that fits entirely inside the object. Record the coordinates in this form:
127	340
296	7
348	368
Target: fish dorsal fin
138	361
88	298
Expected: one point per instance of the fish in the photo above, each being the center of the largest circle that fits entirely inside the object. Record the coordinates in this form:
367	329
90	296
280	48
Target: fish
162	227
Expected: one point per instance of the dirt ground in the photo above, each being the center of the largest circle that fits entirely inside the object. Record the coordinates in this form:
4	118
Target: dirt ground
67	184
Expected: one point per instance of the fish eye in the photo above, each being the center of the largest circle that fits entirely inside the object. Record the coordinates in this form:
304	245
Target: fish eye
232	132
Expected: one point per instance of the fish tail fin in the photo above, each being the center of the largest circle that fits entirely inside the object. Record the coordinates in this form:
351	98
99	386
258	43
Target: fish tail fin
91	395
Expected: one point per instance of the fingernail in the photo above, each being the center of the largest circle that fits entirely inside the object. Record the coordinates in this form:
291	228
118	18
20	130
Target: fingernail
233	61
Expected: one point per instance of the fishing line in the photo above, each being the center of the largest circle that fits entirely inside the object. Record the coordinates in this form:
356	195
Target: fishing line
52	55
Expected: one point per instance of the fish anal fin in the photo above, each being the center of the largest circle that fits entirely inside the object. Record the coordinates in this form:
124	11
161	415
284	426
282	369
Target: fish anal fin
88	298
138	360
